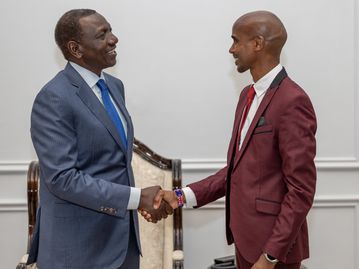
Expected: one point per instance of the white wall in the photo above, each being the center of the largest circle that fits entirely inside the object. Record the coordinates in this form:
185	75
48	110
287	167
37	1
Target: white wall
182	88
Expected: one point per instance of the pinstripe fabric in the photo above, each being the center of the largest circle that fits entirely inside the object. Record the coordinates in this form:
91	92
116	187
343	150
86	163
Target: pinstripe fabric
85	176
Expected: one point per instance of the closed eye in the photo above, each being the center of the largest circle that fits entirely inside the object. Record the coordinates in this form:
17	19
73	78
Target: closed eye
101	35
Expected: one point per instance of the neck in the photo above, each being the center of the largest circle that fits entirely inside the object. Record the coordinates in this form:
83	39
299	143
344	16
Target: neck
86	66
262	68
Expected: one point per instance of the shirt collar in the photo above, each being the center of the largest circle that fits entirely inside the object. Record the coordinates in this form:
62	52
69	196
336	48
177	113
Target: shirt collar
88	76
263	84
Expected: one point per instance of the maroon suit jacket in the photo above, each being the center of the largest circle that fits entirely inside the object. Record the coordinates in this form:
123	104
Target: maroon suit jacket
270	183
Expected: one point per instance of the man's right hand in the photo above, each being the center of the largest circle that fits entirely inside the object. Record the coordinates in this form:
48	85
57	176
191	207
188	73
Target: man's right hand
168	196
147	205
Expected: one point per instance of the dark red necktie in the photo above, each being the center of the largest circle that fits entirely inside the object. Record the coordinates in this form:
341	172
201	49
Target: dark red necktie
250	96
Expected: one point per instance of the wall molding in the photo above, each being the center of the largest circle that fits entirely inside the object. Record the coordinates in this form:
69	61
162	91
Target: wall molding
324	163
13	166
13	206
320	201
209	164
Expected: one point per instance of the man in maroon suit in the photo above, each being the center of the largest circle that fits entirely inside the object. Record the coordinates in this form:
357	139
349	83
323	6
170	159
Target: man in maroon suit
270	176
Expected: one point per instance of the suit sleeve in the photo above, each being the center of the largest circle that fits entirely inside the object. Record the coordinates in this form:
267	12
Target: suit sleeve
211	188
55	141
297	147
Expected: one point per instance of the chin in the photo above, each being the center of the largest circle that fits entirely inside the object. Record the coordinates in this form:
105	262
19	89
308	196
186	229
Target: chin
113	61
241	69
111	64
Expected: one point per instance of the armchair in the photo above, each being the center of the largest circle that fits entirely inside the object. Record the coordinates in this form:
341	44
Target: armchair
162	243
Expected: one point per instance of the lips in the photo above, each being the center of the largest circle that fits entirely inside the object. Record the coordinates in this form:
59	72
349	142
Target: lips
112	52
236	59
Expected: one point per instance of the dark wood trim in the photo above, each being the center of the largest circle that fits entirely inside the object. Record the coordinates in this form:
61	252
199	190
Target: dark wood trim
177	215
151	156
33	177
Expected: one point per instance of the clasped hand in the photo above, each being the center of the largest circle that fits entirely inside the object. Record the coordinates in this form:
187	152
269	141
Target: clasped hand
156	204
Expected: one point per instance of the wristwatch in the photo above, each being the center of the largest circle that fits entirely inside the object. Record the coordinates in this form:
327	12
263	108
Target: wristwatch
270	258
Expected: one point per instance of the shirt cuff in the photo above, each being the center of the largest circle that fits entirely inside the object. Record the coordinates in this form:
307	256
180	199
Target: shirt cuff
134	200
191	200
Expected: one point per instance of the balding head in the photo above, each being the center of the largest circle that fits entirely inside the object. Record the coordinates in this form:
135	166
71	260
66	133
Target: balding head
266	25
258	39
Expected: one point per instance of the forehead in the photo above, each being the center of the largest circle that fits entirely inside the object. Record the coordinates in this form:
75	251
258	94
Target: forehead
93	22
242	28
238	30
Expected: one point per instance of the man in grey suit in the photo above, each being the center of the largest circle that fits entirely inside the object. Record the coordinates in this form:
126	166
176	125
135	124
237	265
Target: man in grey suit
83	137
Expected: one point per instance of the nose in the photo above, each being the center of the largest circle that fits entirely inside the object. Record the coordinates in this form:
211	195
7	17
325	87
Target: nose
231	49
113	39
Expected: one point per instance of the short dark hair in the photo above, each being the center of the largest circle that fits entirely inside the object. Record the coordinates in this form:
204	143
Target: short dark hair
68	28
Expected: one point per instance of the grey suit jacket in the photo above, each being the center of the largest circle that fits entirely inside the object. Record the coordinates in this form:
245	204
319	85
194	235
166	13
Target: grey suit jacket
86	174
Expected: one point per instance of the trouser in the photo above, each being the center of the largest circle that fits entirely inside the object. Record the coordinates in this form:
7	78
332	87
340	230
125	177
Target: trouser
132	260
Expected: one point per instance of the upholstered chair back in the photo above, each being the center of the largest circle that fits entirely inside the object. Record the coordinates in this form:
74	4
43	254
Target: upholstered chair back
156	239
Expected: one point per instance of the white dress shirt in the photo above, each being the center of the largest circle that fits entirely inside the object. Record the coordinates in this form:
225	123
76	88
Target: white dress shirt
260	87
91	79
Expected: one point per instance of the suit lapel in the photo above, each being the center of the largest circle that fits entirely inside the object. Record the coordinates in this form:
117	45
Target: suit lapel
237	120
262	107
91	101
120	102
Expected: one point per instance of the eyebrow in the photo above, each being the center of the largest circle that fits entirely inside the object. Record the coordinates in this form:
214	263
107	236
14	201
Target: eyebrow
104	28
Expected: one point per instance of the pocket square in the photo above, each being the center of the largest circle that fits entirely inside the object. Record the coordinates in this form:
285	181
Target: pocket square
261	122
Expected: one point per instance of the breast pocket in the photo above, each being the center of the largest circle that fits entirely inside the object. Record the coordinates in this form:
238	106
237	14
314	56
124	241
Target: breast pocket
263	129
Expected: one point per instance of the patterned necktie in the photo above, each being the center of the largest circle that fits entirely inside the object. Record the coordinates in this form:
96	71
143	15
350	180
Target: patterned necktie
111	110
250	96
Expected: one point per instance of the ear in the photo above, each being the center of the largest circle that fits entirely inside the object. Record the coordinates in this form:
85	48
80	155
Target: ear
74	49
258	43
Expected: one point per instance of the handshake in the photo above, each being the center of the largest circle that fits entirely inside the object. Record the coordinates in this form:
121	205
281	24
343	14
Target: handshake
156	204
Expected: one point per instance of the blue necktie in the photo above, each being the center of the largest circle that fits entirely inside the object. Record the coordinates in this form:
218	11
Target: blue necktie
111	110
